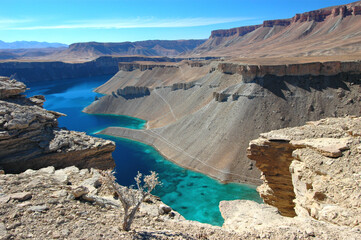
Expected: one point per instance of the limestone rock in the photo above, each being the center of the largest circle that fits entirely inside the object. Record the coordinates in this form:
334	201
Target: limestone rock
315	173
164	209
39	208
21	196
80	191
10	87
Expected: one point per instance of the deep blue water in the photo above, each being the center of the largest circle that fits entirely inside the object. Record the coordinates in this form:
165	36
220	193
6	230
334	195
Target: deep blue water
192	194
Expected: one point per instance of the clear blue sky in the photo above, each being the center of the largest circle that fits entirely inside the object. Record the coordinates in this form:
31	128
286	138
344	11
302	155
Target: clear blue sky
69	21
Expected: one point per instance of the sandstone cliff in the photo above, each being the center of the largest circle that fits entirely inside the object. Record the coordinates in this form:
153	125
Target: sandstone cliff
30	138
324	32
207	123
311	173
313	170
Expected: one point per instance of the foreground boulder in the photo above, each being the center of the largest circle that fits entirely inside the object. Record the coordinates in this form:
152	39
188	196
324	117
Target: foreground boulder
30	137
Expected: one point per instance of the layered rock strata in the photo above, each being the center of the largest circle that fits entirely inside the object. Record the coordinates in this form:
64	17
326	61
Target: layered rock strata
131	66
331	31
30	137
207	127
313	170
45	71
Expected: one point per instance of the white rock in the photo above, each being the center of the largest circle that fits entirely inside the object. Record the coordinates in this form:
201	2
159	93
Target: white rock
48	170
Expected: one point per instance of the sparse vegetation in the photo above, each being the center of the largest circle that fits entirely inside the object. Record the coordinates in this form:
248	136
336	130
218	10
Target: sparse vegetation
132	198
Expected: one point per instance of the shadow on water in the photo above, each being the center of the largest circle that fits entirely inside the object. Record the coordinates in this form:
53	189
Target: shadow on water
192	194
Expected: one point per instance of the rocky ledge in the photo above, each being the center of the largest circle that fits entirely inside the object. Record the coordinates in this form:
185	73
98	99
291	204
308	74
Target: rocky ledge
30	137
313	171
310	174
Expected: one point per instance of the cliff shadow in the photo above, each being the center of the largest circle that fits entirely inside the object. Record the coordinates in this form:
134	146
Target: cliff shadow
279	85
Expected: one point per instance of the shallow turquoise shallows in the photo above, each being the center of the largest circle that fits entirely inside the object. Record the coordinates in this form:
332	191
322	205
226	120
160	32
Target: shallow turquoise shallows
192	194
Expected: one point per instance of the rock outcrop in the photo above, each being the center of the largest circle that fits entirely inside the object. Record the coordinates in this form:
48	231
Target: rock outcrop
313	170
30	138
250	72
133	92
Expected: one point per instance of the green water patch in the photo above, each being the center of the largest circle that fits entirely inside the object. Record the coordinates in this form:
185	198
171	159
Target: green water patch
194	195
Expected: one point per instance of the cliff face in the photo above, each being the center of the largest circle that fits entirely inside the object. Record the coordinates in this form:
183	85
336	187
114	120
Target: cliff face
207	123
50	71
313	170
142	66
334	29
30	138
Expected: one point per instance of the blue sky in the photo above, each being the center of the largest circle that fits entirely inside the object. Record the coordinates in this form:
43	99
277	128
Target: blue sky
72	21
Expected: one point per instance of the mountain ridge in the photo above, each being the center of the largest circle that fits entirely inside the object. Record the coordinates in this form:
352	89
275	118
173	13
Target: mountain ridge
324	32
29	45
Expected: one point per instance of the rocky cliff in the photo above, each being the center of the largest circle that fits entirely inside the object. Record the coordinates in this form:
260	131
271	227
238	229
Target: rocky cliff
207	123
30	138
324	32
37	71
142	66
313	170
311	173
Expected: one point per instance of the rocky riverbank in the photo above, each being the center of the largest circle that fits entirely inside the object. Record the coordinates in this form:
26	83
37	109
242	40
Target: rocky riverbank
30	136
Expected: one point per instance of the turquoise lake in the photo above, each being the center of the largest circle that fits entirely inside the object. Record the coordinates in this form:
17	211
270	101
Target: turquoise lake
192	194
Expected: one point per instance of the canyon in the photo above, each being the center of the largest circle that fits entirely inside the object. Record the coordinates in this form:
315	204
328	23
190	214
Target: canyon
275	105
202	115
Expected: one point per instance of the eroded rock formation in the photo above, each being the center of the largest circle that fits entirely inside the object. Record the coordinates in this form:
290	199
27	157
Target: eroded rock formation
30	138
133	92
313	170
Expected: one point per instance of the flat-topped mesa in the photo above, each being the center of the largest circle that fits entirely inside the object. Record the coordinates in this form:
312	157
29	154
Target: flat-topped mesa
239	31
142	66
131	92
322	14
278	22
250	72
313	170
30	137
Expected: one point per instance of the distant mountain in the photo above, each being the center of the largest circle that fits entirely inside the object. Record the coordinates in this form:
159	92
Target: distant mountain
146	48
325	32
29	44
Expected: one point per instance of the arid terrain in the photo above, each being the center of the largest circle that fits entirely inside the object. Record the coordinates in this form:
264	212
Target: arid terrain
276	105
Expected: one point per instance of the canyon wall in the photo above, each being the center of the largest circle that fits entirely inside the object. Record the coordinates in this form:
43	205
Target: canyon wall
30	137
49	71
206	123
